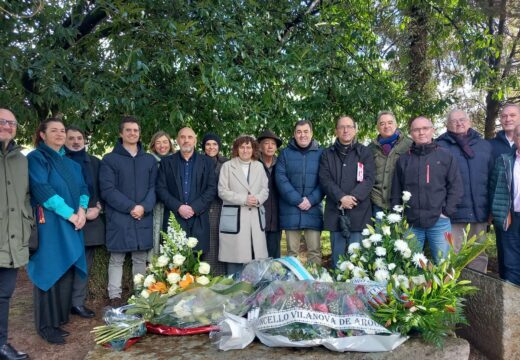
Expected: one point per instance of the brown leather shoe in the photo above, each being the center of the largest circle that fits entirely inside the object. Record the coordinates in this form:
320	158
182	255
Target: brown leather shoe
116	302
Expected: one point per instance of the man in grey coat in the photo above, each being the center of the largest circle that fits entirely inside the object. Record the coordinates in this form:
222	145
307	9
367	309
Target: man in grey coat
15	223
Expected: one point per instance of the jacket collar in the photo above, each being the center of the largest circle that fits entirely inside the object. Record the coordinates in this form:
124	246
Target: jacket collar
120	149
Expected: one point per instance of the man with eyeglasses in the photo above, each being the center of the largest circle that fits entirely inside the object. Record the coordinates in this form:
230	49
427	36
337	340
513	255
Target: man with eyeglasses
474	158
504	191
16	221
347	172
430	173
387	147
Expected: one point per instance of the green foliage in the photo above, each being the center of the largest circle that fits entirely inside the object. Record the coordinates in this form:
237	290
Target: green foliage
235	67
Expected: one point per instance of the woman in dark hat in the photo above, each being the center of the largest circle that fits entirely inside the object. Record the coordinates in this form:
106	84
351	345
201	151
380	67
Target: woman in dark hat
269	143
211	145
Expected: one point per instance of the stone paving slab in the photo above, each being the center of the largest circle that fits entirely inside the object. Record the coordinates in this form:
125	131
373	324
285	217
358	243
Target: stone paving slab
197	347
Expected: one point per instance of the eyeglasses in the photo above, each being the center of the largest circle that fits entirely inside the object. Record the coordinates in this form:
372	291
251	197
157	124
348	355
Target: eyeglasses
346	127
11	123
421	129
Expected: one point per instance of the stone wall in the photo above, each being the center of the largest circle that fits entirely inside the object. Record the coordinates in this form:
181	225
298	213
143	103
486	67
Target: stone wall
494	317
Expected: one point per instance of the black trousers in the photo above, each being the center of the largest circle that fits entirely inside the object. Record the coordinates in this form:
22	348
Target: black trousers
273	239
52	307
7	285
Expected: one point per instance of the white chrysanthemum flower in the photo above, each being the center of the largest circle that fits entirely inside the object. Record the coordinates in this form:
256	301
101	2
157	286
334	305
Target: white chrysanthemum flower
192	242
138	279
398	208
338	278
419	279
353	257
353	247
376	238
391	266
380	251
204	268
406	196
363	259
381	275
162	260
350	266
380	263
149	280
407	253
393	218
173	278
365	232
358	273
145	294
400	245
366	243
417	258
343	266
386	230
325	277
380	215
202	280
178	259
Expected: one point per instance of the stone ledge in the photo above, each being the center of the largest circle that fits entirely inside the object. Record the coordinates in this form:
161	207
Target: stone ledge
493	314
197	347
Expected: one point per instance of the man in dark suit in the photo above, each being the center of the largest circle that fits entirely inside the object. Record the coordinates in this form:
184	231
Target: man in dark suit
187	186
94	230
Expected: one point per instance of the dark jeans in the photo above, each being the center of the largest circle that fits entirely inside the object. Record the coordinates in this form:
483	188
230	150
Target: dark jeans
7	285
510	246
273	239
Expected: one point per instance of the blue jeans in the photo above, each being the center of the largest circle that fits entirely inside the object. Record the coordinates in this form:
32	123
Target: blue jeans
435	235
339	244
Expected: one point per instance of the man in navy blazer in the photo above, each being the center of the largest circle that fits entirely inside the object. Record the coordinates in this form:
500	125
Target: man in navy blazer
187	185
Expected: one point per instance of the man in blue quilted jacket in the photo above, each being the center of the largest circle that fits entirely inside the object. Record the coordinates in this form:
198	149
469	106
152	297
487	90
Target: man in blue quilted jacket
300	195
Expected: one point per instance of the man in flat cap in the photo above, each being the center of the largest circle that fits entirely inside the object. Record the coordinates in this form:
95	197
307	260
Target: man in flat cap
269	144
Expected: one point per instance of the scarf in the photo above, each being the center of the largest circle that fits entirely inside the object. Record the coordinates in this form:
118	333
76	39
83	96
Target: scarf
462	141
81	158
387	144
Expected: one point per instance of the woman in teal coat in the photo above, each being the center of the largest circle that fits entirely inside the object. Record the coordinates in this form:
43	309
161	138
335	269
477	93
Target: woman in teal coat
60	197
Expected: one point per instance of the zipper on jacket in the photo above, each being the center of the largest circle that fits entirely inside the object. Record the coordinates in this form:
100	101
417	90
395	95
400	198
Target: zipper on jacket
428	172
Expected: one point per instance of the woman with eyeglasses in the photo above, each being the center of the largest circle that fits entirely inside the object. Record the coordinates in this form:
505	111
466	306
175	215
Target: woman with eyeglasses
60	196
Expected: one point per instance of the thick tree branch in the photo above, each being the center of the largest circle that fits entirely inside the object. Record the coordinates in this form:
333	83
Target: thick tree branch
289	27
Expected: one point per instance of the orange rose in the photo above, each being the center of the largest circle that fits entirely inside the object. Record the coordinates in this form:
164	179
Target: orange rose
186	281
158	286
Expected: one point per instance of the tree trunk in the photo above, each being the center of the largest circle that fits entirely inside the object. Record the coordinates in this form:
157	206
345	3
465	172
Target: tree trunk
492	107
419	69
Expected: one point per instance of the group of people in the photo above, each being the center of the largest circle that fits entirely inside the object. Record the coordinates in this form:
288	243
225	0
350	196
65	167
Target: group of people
237	207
